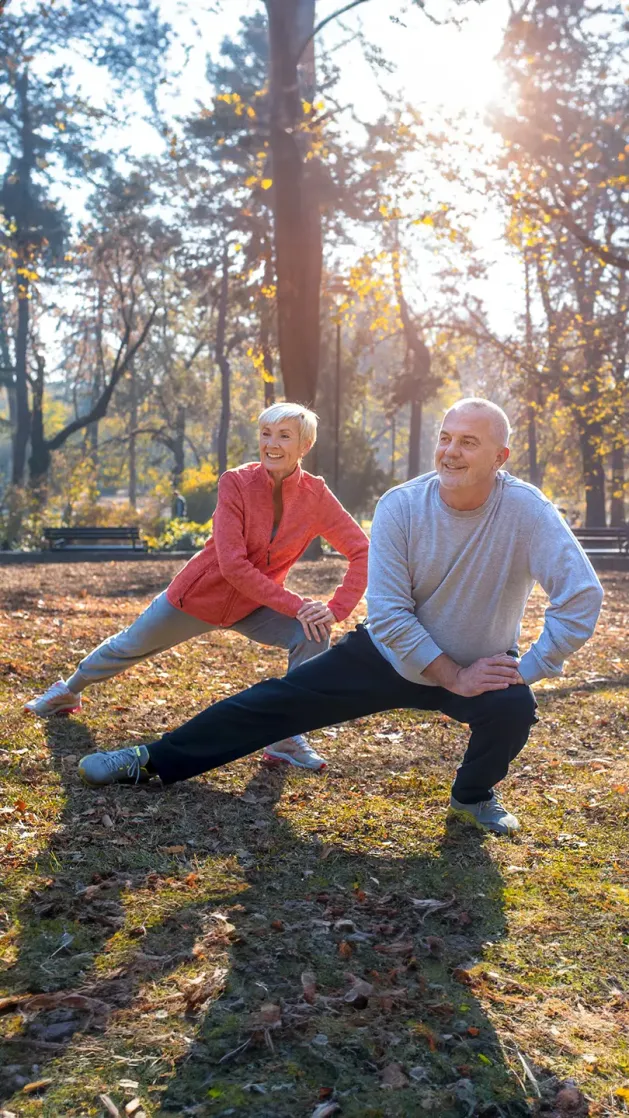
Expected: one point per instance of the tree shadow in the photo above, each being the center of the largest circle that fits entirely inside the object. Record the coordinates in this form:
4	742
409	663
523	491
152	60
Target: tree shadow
326	972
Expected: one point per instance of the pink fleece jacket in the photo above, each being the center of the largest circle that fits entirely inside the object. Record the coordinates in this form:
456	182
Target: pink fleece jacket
242	567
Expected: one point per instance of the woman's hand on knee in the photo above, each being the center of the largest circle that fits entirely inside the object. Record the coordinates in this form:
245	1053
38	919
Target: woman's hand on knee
316	620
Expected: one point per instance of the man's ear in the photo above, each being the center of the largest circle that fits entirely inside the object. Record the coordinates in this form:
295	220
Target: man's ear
502	456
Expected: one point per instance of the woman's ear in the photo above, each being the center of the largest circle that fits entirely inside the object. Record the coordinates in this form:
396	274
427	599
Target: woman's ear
304	449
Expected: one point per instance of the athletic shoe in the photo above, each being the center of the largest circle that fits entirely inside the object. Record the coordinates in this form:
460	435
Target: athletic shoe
490	814
120	766
295	751
58	699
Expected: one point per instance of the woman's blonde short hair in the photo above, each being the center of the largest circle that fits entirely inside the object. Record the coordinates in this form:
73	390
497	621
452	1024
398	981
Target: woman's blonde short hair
306	419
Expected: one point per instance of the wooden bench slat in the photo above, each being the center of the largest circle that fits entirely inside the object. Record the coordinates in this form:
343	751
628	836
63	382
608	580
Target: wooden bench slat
603	541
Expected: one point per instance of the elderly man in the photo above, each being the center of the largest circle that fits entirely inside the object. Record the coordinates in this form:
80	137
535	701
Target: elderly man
454	556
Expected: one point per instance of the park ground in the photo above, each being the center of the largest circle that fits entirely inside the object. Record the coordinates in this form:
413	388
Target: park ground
280	944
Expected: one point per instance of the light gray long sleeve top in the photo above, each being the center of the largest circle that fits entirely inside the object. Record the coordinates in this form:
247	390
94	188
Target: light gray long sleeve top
441	580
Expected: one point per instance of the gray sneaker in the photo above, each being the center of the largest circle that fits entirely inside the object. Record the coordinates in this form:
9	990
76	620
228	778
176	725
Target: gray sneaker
489	814
120	766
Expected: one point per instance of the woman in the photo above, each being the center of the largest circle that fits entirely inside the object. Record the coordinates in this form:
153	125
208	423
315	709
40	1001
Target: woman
267	514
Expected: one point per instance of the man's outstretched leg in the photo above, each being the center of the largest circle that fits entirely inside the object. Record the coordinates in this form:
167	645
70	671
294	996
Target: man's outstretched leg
350	680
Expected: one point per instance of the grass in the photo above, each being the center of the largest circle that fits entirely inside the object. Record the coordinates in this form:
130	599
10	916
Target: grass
251	943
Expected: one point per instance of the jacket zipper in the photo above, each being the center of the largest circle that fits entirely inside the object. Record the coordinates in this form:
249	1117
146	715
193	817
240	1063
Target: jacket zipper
190	587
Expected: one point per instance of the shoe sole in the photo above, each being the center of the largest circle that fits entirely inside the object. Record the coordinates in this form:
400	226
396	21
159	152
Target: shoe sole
508	832
284	759
51	713
125	782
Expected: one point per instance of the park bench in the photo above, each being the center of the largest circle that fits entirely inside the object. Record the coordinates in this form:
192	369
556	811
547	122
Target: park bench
603	541
101	539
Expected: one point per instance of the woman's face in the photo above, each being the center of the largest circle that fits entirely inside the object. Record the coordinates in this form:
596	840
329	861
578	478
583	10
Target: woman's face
280	449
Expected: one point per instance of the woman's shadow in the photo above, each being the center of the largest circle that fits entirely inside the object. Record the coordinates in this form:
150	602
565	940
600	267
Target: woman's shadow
295	970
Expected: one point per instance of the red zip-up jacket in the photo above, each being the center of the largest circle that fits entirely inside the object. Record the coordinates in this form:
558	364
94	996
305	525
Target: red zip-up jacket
242	567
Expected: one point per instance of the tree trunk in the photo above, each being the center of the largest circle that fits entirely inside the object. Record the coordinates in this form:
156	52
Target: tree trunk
297	218
224	367
23	264
133	423
531	426
22	409
617	505
179	447
593	475
415	437
531	412
39	461
7	368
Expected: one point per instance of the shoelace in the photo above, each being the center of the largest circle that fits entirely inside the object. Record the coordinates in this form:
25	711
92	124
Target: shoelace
133	765
493	802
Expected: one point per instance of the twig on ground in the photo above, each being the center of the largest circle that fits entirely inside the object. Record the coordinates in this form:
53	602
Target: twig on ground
235	1051
529	1074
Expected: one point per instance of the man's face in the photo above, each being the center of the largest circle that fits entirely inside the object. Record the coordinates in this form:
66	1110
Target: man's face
468	452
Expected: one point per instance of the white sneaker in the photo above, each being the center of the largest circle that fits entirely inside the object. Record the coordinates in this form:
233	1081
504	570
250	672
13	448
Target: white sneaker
295	751
58	699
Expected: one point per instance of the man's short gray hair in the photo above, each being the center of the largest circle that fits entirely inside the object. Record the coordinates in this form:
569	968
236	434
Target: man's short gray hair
306	420
499	419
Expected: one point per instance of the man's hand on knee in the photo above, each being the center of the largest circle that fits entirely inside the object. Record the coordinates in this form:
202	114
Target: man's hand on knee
490	673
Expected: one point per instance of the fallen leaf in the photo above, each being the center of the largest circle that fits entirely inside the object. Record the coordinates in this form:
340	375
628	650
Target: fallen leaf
435	945
107	821
394	1077
460	974
324	1109
401	947
345	949
569	1099
132	1106
36	1085
309	986
269	1016
172	849
428	906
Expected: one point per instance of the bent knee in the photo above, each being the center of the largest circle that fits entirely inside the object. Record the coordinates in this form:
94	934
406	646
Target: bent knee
520	705
299	641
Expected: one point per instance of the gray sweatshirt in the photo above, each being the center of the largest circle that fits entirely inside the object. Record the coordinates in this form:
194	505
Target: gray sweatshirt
458	582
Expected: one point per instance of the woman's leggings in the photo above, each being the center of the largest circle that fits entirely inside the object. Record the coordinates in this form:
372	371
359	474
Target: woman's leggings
162	626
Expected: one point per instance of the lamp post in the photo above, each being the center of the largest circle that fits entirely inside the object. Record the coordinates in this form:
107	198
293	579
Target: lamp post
338	290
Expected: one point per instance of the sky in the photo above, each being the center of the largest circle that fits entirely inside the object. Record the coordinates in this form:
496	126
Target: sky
437	67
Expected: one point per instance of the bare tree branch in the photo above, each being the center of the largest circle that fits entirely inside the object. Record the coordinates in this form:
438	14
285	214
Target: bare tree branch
99	410
324	22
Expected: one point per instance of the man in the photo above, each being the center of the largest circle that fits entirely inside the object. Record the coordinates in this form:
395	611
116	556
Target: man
454	556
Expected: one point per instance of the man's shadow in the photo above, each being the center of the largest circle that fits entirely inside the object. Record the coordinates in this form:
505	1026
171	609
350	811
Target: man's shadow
323	969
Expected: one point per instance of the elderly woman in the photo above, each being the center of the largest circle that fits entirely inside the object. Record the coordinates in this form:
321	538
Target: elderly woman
267	514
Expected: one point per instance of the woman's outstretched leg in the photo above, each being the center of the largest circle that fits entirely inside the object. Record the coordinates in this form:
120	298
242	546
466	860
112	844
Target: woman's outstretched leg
159	627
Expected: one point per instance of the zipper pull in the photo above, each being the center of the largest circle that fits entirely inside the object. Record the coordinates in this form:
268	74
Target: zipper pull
268	558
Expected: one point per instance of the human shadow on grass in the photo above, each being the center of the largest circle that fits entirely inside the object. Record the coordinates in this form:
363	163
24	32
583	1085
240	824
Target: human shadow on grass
326	972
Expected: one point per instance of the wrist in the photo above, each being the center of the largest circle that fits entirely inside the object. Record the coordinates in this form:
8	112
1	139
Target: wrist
458	683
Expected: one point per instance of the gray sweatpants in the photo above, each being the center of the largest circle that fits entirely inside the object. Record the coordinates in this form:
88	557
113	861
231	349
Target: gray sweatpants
161	626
